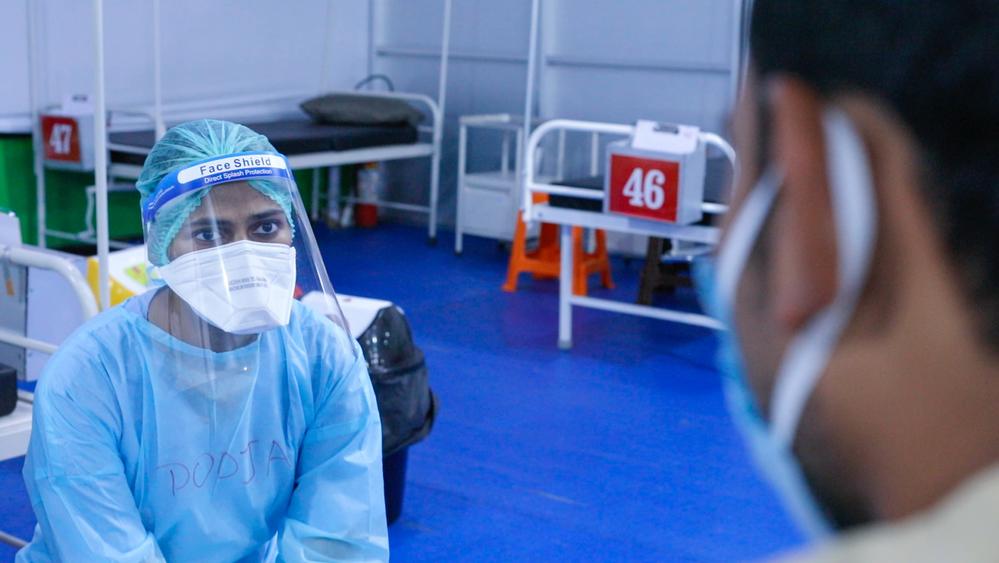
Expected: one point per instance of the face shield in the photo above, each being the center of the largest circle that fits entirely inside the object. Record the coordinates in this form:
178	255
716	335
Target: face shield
230	238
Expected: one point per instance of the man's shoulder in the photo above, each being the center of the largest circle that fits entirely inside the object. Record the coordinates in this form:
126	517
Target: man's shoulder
962	527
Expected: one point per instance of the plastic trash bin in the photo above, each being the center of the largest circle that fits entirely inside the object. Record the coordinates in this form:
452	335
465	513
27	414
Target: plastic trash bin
394	469
406	403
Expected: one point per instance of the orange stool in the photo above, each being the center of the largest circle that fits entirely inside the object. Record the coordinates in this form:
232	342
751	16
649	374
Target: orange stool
543	261
586	263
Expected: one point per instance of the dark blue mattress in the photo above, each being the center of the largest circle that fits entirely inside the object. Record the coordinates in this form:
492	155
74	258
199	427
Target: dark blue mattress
289	137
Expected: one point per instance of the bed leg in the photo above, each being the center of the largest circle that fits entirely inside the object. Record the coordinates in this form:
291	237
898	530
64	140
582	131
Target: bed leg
314	212
435	173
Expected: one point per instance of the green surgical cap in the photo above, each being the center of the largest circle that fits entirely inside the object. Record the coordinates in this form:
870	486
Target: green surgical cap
183	145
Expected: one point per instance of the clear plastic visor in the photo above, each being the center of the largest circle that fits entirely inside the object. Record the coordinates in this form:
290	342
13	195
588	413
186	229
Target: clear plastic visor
232	242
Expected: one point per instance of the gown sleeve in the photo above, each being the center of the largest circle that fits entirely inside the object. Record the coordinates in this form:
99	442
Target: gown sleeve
337	510
74	472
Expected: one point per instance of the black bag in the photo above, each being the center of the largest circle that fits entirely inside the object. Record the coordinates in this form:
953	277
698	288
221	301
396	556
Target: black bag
356	109
399	375
8	389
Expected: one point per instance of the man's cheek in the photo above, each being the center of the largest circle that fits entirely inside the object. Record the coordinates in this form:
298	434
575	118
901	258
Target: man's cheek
758	337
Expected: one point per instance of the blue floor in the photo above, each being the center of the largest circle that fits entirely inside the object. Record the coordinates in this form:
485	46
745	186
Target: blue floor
619	450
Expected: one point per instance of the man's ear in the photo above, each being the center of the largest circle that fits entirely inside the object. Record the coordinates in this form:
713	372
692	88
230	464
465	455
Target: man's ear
803	236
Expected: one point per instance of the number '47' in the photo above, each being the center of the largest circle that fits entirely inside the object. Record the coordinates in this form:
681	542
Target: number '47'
60	138
647	192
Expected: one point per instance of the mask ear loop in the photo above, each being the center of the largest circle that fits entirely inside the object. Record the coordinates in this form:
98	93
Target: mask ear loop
745	229
855	215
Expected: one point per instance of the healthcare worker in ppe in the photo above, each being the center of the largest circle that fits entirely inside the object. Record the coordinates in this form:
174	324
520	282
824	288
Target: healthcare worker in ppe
215	418
858	274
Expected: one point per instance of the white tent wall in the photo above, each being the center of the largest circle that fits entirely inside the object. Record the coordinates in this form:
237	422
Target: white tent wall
488	54
14	95
212	52
612	61
669	60
617	61
629	59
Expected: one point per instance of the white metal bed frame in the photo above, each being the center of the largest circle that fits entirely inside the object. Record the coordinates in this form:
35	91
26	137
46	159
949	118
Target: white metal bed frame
15	428
567	218
512	128
325	159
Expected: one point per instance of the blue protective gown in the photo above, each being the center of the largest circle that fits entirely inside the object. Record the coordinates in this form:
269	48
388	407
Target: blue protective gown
145	448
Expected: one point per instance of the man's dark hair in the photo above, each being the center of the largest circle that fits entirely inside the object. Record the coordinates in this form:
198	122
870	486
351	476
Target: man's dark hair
935	63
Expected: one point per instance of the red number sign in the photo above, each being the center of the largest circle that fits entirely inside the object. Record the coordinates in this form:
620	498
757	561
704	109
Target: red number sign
62	138
644	187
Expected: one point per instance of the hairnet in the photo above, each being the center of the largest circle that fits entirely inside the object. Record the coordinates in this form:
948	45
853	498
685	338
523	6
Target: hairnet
181	146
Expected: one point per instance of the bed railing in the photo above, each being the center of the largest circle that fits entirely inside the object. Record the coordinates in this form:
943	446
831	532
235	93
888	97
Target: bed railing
28	257
532	185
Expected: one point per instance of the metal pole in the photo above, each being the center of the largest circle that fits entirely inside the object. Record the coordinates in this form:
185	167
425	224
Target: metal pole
746	17
458	220
158	124
594	154
735	53
505	154
325	58
14	541
371	37
565	289
101	157
445	55
439	131
524	165
560	162
532	55
34	97
315	194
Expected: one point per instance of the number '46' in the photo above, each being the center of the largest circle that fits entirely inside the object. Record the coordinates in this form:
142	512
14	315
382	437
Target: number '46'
645	189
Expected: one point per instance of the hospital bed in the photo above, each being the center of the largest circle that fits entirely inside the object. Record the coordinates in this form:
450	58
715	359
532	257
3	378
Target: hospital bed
16	339
15	326
18	330
309	145
582	205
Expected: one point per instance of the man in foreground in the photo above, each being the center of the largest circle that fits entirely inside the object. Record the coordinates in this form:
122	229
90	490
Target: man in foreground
858	272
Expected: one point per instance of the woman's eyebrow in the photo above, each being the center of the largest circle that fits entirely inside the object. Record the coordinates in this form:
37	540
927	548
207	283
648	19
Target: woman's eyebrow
266	214
209	222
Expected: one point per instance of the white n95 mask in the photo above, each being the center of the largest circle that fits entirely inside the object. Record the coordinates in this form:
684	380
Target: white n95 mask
243	287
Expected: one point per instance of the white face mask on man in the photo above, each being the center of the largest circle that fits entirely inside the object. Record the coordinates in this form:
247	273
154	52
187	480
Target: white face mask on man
243	287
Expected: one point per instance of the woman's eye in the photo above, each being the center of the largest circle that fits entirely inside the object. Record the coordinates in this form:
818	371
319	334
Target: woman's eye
268	228
207	236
